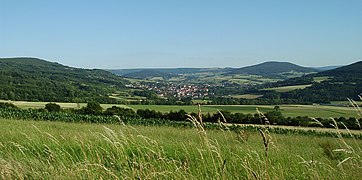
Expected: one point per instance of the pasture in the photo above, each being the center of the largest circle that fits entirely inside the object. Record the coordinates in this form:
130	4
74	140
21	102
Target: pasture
246	96
345	103
57	150
288	88
321	78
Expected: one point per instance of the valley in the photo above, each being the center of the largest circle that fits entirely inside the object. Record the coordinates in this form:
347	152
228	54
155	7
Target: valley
215	109
189	90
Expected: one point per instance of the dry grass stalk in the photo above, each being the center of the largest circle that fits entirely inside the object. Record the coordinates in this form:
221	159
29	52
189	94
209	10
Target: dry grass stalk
199	114
357	108
263	119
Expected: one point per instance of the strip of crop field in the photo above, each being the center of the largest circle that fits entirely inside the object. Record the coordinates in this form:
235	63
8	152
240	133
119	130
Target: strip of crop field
321	111
288	88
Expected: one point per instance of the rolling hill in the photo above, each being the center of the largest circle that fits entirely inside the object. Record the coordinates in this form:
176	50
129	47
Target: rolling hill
149	74
273	68
338	85
354	69
35	79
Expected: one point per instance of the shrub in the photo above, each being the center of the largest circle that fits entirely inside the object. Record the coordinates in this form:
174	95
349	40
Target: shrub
4	105
52	107
126	112
93	108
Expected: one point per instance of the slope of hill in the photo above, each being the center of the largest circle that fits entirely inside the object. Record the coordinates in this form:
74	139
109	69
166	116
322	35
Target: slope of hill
349	70
39	80
149	74
272	68
341	83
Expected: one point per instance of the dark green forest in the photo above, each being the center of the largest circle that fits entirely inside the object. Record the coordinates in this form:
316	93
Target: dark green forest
34	79
344	82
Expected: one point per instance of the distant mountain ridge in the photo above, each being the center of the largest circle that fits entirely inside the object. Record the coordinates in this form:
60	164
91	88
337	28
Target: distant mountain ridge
148	74
326	68
272	68
35	79
178	74
174	71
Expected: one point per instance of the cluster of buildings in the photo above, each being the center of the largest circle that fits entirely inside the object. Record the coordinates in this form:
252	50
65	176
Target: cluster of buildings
193	91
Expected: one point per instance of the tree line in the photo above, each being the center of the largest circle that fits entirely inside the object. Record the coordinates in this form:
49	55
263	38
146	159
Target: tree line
274	117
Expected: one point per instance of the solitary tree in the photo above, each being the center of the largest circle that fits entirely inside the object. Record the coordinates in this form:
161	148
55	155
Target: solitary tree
52	107
93	108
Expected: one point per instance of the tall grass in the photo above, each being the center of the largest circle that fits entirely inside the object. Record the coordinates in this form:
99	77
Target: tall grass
58	150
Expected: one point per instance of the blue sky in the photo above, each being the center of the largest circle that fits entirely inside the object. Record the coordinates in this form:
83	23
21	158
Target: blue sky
183	33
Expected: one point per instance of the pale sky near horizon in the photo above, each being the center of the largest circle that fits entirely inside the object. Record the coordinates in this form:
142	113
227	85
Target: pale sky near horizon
185	33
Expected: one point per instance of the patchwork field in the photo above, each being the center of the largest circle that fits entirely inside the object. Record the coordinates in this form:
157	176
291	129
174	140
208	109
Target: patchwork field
221	78
56	150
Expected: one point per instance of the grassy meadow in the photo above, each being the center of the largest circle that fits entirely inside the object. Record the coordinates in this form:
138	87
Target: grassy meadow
57	150
288	88
246	96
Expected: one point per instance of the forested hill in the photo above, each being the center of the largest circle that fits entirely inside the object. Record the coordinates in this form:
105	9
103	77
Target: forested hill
34	79
352	70
332	85
272	68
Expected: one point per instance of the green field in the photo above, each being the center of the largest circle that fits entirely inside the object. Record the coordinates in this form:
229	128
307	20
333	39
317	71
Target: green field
288	88
246	96
200	101
287	110
321	78
126	95
344	103
55	150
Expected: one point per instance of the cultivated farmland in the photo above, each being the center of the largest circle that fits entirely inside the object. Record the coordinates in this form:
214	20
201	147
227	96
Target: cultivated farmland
322	111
